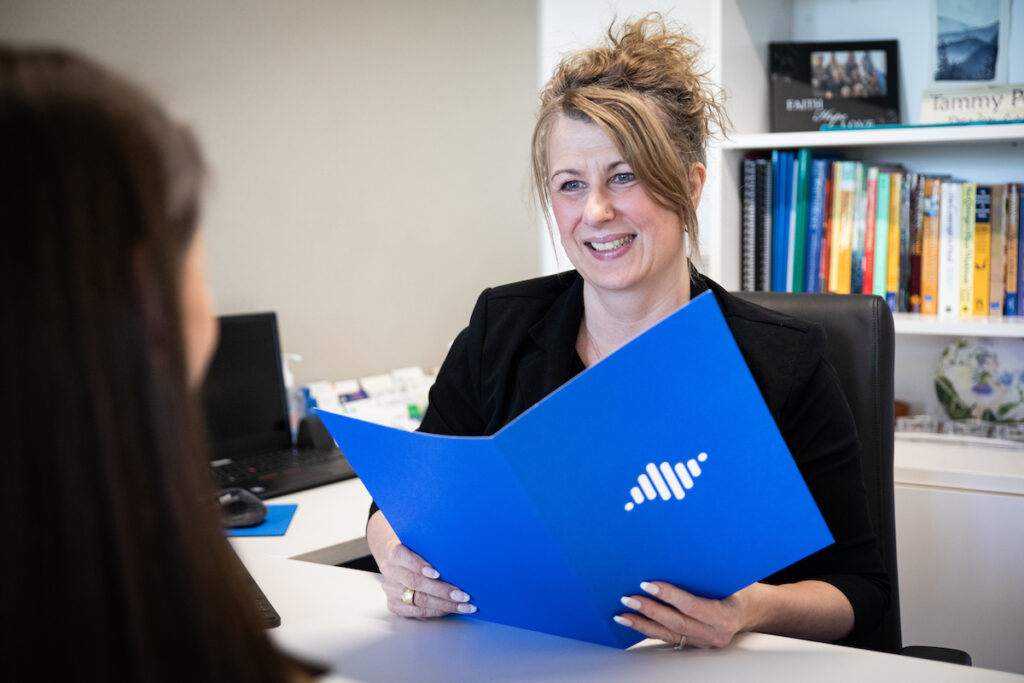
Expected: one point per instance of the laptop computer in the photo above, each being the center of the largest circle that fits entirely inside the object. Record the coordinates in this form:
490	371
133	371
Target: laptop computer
246	409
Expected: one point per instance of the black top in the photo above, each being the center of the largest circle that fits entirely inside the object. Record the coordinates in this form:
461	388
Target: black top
521	345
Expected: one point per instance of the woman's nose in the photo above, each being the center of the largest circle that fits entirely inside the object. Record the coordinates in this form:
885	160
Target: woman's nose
598	208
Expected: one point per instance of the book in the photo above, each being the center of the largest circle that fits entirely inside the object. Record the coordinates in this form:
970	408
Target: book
842	243
982	249
903	279
882	234
826	234
780	226
803	162
791	210
764	224
871	211
997	269
681	496
1012	238
777	188
916	243
966	266
859	228
949	249
930	245
1015	212
748	233
815	222
892	265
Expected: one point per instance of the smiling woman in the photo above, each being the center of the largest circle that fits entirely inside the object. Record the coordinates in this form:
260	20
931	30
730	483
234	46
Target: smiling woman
618	158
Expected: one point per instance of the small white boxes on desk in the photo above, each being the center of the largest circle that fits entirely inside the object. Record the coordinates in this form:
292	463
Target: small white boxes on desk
396	399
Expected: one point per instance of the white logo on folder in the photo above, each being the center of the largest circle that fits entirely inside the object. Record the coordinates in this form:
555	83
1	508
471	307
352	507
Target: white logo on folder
666	481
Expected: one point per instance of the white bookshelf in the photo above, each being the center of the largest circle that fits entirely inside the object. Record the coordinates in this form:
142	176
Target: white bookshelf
739	34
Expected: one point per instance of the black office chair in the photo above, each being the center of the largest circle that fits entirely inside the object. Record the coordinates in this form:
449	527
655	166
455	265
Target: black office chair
860	346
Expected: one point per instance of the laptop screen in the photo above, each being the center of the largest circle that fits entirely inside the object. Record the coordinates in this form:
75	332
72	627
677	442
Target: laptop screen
243	396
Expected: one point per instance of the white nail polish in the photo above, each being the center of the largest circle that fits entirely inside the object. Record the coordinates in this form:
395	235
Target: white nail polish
467	609
430	573
631	603
459	596
622	621
649	587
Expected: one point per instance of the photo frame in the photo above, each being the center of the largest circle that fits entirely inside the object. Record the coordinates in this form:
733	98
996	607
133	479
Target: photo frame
969	42
848	84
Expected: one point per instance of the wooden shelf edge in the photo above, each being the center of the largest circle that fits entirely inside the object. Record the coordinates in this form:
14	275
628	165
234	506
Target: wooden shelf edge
915	323
867	137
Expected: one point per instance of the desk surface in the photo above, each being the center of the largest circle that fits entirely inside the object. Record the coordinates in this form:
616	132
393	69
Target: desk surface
338	616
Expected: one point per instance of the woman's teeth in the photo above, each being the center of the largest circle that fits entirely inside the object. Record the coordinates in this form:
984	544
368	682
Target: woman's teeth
609	246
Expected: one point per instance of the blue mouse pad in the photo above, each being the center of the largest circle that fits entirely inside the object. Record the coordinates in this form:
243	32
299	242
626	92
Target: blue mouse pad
275	524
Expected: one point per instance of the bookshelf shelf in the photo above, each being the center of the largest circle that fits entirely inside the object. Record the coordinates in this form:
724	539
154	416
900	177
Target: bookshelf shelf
915	323
1012	133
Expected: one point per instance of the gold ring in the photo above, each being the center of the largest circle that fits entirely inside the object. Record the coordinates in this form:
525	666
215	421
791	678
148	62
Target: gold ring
408	595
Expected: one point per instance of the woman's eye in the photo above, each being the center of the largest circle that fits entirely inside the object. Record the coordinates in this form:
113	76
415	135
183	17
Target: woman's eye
622	178
570	185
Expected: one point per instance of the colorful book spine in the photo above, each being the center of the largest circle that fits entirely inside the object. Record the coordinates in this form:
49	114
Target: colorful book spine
1016	208
824	281
916	243
903	286
1012	240
966	266
870	211
930	246
791	208
997	271
949	249
800	234
892	265
837	215
982	249
815	223
859	228
843	244
881	234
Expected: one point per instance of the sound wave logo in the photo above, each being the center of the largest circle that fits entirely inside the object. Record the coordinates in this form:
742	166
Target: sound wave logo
666	481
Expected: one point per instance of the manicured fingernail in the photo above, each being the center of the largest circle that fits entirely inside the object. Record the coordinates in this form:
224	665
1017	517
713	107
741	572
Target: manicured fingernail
649	587
631	603
430	573
622	621
467	609
459	596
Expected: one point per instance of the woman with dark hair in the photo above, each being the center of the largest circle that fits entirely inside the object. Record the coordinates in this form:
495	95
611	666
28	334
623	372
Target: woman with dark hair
619	163
115	566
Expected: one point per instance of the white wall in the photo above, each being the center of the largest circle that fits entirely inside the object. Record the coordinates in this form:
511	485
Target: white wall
370	159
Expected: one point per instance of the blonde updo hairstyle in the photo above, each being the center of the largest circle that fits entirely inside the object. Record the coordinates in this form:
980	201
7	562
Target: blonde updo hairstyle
645	88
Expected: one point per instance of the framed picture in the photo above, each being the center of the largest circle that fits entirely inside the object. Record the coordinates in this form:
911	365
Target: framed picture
970	41
853	84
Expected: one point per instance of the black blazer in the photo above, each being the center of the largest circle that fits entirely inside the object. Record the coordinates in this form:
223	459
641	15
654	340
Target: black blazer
521	345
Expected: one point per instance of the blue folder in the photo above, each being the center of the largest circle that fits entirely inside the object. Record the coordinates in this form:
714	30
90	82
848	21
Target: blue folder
661	462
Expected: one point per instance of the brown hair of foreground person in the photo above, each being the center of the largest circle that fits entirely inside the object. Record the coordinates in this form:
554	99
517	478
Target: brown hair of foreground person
115	567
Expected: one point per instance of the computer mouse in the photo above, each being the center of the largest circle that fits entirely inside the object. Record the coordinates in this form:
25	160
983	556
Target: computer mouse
240	508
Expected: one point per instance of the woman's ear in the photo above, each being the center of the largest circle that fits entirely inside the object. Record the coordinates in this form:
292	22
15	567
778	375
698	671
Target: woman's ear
148	298
698	174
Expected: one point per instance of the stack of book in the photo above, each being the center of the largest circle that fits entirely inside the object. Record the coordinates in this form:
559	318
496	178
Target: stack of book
929	244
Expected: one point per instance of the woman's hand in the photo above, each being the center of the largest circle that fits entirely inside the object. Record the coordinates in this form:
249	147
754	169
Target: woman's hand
812	610
676	613
403	569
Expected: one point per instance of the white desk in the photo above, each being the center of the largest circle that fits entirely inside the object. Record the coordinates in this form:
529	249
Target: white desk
338	616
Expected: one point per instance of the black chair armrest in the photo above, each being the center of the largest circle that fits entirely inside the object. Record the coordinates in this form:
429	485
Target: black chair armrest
937	654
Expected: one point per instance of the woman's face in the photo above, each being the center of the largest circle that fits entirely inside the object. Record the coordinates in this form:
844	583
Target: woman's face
615	234
197	313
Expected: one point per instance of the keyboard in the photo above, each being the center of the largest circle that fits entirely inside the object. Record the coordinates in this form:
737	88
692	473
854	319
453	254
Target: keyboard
231	472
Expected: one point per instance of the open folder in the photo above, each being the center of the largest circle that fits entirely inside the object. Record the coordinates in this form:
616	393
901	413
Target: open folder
661	462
